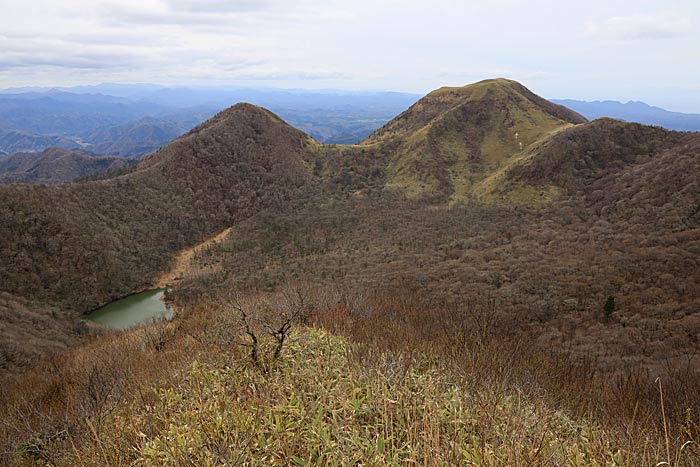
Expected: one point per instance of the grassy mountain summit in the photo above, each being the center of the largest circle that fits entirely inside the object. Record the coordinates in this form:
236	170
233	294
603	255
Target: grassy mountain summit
448	99
454	138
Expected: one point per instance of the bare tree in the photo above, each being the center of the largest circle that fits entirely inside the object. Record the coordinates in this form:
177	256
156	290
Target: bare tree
271	316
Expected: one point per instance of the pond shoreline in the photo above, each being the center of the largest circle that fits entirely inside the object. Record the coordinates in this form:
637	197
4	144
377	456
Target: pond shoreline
181	266
133	310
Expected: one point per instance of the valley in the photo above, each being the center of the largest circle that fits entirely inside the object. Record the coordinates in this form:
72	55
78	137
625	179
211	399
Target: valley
484	228
245	200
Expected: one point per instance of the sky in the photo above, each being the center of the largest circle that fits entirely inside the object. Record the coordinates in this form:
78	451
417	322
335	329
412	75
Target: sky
597	49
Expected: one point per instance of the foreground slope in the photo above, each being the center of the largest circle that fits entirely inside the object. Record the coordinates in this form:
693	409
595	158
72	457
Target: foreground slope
325	404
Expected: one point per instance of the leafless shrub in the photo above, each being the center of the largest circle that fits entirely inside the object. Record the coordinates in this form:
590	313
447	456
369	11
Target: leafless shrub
158	334
264	323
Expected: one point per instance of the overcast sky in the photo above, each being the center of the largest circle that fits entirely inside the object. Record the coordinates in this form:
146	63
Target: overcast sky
594	49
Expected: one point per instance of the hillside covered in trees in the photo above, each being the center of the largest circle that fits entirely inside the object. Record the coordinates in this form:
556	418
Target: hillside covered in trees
480	211
482	190
56	165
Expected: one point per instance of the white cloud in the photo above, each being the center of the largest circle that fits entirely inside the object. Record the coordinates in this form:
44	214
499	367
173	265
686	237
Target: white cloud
402	45
214	15
638	27
467	76
275	74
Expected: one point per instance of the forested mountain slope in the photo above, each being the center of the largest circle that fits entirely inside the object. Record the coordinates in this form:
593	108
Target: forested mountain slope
56	165
486	192
75	246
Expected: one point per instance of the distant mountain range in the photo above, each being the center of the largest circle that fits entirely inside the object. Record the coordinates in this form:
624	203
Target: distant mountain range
135	138
12	141
638	112
134	120
56	165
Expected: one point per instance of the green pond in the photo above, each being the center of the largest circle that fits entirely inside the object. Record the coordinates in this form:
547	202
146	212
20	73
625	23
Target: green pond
134	310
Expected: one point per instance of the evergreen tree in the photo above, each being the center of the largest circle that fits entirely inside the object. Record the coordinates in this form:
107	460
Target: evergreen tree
609	307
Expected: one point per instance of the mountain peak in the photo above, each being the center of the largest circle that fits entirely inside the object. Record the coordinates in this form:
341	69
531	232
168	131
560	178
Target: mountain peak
497	95
240	113
502	88
242	131
455	138
491	83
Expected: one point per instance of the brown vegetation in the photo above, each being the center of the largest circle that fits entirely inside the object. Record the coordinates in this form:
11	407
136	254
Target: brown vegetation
506	282
56	165
183	264
79	245
187	392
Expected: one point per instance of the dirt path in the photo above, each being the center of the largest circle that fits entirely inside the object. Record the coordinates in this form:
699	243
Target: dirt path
181	264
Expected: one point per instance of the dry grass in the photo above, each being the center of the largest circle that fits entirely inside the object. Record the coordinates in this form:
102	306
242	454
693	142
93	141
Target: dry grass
470	340
384	384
